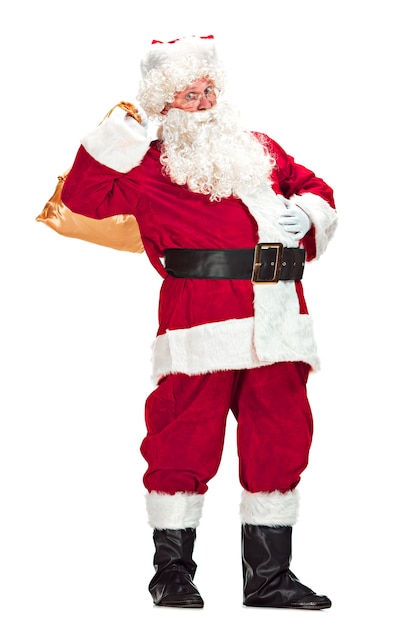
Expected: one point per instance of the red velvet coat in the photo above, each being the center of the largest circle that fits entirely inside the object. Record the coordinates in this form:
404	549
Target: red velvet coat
207	325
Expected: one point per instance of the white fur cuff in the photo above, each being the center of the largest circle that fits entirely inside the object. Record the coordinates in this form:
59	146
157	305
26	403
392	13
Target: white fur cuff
322	215
119	142
181	510
269	508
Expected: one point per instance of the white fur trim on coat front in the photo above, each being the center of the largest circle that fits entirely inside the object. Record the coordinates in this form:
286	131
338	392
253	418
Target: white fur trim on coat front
118	142
269	508
180	510
322	215
279	328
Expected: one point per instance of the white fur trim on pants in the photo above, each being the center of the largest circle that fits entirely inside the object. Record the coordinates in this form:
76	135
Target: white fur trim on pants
269	508
180	510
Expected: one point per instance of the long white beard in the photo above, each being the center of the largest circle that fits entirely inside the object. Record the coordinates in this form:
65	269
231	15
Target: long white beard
211	153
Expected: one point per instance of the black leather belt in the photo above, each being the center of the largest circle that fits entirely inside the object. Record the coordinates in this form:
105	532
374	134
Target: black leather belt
266	263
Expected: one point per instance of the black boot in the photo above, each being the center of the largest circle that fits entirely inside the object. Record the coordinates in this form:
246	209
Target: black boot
267	579
173	584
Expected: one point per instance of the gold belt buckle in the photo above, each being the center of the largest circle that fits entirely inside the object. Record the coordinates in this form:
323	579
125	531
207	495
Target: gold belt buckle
257	263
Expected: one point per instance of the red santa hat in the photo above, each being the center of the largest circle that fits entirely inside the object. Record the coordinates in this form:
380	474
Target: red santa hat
170	66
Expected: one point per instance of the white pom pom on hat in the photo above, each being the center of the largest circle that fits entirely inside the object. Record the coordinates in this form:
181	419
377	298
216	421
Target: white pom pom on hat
171	66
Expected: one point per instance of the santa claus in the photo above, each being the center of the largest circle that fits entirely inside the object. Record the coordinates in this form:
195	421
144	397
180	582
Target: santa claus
228	219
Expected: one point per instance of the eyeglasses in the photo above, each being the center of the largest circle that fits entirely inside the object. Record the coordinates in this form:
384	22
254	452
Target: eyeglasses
192	98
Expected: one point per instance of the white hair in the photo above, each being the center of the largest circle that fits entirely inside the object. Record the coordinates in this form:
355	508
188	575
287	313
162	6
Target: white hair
171	67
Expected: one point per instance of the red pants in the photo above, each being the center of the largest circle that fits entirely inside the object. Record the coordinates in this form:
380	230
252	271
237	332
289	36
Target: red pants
186	421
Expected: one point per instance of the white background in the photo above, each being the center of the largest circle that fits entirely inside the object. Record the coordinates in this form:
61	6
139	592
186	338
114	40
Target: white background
334	84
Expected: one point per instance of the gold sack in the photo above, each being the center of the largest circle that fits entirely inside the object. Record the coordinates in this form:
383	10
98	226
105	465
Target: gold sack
120	232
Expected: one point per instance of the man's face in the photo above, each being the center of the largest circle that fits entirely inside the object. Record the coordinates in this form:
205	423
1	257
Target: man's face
198	96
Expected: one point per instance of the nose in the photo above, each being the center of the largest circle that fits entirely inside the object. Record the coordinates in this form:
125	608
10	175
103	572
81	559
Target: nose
204	103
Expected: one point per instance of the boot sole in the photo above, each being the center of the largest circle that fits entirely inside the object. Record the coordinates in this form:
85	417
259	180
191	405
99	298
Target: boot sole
179	606
305	607
180	603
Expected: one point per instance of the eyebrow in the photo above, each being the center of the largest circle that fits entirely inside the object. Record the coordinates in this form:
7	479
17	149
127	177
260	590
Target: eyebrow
193	90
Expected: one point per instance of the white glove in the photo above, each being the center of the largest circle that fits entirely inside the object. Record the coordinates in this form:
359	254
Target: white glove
294	220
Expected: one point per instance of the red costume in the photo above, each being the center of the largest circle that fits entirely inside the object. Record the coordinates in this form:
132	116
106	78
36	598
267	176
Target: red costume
222	344
208	325
211	326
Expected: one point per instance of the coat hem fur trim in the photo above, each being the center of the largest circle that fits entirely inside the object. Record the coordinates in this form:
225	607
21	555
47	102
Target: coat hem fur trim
229	345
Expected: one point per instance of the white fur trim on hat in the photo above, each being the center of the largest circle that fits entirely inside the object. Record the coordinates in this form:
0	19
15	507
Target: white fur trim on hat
269	508
180	510
163	55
